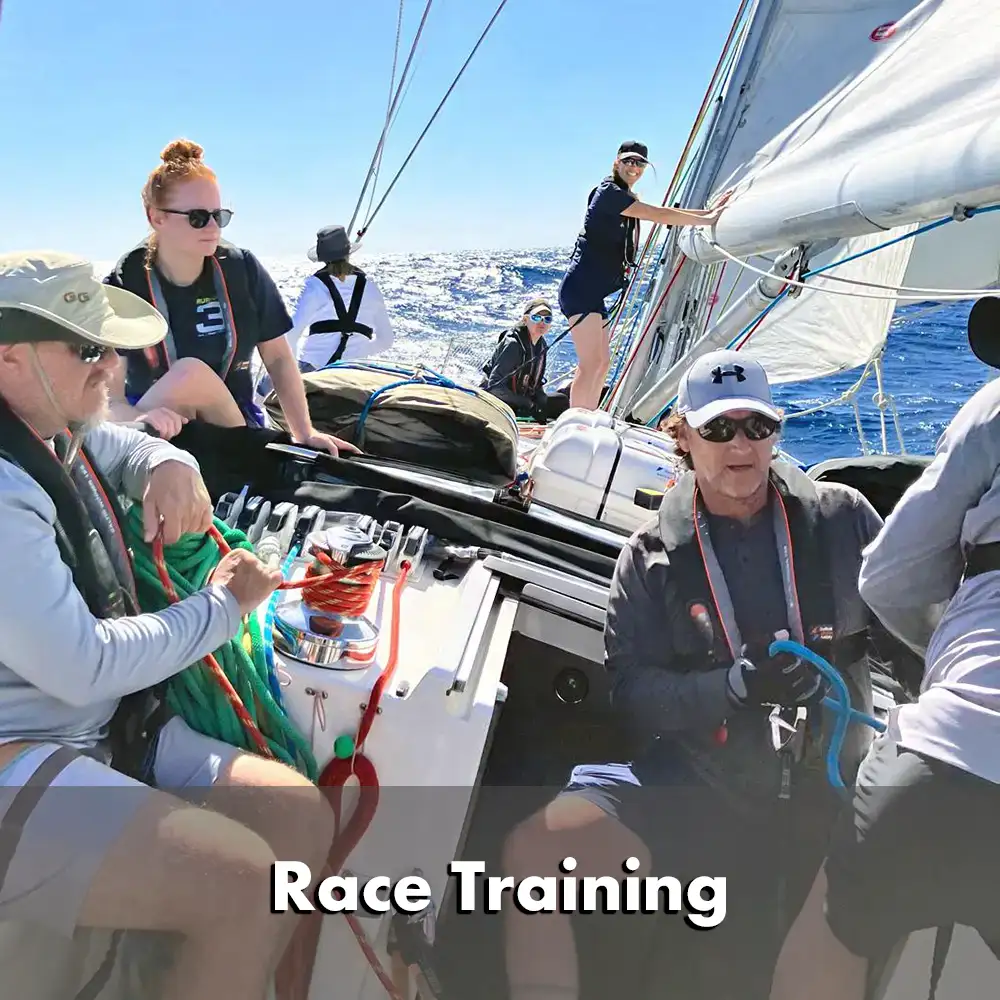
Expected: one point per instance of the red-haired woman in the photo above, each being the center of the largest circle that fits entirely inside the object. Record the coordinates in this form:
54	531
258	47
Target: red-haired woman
221	305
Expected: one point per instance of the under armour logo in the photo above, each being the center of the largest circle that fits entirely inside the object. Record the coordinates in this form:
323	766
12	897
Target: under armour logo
719	373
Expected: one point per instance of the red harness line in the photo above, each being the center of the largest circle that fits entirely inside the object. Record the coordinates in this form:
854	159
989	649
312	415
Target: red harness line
294	974
332	588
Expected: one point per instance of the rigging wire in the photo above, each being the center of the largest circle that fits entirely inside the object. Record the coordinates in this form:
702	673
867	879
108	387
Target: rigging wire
376	156
389	117
378	208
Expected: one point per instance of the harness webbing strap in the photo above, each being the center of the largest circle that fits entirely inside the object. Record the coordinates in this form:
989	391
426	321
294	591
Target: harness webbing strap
346	322
24	802
942	945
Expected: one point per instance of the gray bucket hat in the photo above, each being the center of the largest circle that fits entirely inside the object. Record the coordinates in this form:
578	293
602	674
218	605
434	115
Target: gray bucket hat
332	244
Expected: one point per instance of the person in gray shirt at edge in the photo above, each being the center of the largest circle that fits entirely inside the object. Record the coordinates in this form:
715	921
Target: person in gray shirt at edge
894	864
75	648
744	547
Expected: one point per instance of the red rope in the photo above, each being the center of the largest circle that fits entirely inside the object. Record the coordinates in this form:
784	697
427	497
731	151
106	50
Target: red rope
295	973
331	587
210	661
327	587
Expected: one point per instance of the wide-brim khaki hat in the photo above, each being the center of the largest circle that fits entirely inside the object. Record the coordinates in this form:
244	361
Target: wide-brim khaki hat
48	295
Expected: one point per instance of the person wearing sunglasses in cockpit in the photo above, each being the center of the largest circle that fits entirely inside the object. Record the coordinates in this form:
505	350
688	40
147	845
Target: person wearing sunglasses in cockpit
744	548
221	305
515	372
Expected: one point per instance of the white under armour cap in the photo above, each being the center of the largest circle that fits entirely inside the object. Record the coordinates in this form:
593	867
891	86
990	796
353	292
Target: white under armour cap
722	381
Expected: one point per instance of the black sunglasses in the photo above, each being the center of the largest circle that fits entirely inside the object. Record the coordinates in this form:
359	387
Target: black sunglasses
90	354
198	217
756	427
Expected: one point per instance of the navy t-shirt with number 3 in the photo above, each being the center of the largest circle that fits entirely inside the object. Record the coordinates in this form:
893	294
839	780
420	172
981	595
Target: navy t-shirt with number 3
198	329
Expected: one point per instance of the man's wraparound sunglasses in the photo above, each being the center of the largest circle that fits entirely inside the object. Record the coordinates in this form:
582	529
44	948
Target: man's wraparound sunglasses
198	217
541	317
721	429
90	354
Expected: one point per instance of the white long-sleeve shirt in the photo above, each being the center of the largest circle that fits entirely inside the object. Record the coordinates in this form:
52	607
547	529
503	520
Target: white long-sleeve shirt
315	304
911	577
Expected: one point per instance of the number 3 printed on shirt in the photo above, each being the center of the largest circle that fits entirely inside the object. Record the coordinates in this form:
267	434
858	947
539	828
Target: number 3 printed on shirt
213	319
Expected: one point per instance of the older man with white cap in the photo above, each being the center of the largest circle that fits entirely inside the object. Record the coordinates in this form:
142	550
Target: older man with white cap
743	548
79	664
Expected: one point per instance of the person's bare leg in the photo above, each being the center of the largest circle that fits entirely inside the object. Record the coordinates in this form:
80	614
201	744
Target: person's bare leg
590	338
284	808
194	391
177	868
812	963
541	953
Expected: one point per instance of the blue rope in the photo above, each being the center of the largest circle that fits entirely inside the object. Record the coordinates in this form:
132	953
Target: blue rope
826	267
426	376
840	706
268	631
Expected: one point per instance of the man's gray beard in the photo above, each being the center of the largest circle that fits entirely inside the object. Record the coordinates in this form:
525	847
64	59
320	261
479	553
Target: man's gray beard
100	416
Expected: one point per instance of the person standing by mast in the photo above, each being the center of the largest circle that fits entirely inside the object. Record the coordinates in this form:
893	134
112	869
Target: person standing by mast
604	247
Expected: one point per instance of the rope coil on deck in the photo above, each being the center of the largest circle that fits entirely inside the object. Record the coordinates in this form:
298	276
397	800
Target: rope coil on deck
227	695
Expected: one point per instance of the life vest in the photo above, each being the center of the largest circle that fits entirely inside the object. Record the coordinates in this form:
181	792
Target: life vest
527	378
232	286
699	618
346	322
92	544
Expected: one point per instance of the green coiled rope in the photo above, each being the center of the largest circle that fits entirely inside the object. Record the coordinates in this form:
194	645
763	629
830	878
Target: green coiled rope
193	694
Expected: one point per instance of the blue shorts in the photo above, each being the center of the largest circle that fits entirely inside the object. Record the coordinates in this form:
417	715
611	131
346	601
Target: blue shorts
582	293
677	818
692	829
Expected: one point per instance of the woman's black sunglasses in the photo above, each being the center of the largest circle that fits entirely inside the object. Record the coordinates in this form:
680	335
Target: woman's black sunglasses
198	217
756	427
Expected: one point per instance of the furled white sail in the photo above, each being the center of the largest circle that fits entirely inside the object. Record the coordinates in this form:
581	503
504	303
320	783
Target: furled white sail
913	134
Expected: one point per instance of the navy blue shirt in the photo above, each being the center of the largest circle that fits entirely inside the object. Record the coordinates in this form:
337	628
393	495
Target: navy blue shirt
600	247
198	328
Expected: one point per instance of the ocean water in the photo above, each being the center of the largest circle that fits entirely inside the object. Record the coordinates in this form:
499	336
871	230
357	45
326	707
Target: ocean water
447	310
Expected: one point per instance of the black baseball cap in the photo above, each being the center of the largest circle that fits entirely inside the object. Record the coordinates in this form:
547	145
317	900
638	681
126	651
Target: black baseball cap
632	148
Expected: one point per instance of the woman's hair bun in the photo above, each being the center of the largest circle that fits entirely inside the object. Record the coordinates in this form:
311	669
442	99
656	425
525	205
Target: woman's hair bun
181	151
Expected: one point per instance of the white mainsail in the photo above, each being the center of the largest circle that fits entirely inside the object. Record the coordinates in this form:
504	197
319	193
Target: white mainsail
802	62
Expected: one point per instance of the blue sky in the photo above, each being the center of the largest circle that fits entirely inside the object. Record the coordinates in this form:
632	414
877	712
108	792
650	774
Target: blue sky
288	100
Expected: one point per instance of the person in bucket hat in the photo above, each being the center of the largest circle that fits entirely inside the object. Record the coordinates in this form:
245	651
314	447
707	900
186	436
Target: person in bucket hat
91	837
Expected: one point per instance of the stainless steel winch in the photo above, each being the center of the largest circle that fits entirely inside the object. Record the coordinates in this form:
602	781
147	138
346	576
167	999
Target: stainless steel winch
324	636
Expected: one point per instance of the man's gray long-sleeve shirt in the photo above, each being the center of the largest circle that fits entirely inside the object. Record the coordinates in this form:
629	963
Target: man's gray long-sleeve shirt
911	577
63	671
